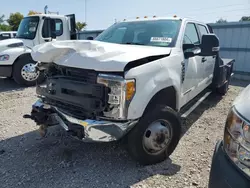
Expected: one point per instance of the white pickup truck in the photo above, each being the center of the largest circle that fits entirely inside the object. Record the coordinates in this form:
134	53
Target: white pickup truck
130	82
15	59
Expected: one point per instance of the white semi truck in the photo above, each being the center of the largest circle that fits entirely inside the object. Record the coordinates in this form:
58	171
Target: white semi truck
15	59
131	83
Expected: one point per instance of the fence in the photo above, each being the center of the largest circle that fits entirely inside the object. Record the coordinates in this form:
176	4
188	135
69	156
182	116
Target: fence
234	41
235	44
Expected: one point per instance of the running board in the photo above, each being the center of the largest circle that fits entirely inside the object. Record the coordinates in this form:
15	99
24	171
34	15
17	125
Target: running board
192	108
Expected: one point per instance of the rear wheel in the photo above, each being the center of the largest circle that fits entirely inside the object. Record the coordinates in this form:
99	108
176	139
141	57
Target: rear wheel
25	73
155	136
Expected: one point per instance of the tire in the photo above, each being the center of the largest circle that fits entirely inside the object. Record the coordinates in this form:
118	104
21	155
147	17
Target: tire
139	133
17	72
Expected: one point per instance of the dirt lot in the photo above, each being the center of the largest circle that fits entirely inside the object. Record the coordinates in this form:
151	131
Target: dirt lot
60	161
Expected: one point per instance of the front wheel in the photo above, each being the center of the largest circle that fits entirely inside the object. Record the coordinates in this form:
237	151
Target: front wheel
155	136
25	73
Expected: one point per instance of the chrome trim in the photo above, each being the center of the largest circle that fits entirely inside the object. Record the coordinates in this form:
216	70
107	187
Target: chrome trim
95	131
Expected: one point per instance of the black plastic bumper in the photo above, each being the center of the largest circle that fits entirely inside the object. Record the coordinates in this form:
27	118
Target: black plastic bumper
5	70
224	174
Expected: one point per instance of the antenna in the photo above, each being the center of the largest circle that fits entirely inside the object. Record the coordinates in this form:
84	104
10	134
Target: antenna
46	9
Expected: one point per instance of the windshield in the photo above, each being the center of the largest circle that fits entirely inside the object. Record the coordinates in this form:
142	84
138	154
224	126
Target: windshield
27	28
150	33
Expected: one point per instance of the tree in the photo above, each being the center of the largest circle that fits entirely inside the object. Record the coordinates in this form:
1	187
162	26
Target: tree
5	27
221	20
32	12
245	18
14	20
2	19
80	26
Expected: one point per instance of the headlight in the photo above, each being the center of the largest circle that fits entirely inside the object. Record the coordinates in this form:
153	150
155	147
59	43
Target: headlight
237	140
121	93
4	57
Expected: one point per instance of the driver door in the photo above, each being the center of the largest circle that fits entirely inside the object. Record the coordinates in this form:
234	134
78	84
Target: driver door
192	68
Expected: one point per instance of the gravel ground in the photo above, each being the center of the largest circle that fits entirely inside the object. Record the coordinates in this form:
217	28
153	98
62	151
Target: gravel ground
26	160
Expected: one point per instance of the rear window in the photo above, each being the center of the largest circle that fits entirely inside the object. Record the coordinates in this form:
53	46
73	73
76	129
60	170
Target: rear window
203	29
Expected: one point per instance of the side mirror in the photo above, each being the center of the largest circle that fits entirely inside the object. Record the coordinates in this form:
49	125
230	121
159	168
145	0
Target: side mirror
90	38
210	45
52	26
190	50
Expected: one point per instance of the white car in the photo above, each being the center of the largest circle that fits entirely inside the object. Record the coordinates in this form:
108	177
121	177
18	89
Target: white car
231	160
7	34
130	82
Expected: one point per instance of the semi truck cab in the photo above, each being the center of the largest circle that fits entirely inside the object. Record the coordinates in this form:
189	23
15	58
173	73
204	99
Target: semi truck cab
15	59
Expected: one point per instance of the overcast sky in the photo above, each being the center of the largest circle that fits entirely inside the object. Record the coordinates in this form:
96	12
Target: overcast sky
102	13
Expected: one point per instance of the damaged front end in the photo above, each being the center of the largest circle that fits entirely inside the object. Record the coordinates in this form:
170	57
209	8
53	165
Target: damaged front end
90	105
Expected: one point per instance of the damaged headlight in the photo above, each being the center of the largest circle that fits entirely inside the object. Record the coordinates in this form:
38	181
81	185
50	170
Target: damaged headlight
121	93
237	140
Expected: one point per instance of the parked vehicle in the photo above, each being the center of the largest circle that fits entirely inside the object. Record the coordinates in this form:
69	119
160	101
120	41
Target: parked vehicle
15	59
7	34
130	82
231	160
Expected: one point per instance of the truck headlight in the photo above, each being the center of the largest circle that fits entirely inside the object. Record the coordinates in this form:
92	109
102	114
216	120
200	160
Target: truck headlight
4	57
121	94
237	140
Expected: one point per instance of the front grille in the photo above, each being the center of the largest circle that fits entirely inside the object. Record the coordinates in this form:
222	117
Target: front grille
72	110
85	75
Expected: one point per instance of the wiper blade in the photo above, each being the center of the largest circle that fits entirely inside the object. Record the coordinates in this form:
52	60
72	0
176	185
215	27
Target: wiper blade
134	43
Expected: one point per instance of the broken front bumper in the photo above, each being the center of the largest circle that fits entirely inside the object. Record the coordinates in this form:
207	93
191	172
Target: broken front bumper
86	130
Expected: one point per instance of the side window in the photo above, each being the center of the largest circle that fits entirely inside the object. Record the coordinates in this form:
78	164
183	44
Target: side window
14	35
191	35
59	27
203	29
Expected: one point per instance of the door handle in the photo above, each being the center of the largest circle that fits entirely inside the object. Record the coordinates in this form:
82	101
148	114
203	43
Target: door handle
203	59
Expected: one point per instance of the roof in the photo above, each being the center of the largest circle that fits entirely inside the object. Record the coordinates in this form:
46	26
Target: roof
47	15
151	19
8	31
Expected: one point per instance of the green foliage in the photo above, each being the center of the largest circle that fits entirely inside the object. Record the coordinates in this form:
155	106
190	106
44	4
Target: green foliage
14	20
5	27
245	18
80	26
221	21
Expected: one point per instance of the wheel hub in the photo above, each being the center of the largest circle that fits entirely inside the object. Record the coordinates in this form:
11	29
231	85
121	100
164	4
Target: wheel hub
157	137
29	72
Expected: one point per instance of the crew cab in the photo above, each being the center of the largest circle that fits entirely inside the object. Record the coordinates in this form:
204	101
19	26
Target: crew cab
130	83
15	59
231	159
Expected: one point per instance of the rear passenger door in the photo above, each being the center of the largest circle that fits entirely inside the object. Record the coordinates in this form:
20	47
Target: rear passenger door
208	61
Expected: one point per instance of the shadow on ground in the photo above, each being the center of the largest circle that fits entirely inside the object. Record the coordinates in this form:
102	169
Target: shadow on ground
61	161
9	85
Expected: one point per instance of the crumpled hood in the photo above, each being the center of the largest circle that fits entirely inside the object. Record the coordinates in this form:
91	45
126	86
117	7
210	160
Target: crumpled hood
4	43
242	103
96	55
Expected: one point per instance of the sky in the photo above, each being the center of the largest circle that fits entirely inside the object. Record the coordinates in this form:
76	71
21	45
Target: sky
102	13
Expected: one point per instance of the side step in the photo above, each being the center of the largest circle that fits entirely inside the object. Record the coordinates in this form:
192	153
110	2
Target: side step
192	108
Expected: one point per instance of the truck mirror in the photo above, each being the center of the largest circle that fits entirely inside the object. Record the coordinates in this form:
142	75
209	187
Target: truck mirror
90	38
52	28
209	45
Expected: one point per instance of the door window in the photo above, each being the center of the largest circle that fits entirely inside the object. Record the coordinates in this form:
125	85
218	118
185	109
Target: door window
191	35
58	28
203	29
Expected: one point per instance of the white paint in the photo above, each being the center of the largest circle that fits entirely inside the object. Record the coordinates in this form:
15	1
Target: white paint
242	103
150	78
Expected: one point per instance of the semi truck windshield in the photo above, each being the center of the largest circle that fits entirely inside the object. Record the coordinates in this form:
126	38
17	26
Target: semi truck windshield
28	27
